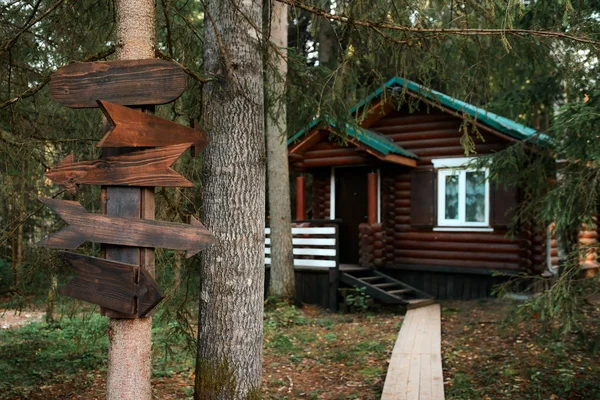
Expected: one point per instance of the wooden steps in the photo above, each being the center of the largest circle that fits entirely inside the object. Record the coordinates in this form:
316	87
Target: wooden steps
385	288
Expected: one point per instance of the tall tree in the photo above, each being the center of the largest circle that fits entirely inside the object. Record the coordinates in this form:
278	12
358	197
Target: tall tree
130	340
282	281
229	358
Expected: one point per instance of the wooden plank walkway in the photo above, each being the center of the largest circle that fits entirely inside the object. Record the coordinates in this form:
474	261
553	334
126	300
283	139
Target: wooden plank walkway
415	371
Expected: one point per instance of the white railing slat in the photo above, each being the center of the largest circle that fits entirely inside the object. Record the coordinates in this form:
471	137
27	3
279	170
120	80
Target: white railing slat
309	241
326	230
309	263
309	252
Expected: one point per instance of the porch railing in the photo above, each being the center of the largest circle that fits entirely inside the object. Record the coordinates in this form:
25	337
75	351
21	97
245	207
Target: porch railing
314	247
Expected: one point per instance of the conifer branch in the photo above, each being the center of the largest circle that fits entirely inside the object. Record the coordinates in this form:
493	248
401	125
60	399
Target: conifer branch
33	90
29	25
439	31
193	74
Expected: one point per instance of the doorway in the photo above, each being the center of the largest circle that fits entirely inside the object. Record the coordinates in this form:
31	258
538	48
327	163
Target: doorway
351	208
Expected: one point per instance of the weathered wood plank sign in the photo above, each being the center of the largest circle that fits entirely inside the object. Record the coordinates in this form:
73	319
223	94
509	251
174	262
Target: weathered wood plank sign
111	284
128	82
133	128
126	289
84	226
142	168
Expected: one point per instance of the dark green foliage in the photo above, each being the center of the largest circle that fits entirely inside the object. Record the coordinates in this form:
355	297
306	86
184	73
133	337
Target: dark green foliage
40	354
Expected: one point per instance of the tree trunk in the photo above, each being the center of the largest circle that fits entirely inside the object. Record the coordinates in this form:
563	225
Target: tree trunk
282	283
229	359
130	340
21	196
328	43
51	300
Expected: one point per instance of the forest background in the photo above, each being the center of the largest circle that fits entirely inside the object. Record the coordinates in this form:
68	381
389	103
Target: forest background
533	61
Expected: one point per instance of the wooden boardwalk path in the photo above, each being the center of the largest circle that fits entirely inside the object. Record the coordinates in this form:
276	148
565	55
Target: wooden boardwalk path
415	371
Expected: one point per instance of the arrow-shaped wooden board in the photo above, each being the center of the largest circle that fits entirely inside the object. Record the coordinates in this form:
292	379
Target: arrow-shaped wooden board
141	168
111	284
131	128
128	82
84	226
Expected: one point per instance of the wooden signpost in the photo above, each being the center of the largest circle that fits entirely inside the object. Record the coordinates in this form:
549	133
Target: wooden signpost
111	284
88	227
142	168
128	290
133	128
128	82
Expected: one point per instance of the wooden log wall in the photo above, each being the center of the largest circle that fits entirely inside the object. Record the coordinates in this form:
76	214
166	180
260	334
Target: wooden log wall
433	135
430	136
371	251
320	196
328	154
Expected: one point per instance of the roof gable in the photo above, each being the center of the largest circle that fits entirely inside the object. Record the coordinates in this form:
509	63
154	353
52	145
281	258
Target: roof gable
497	124
372	142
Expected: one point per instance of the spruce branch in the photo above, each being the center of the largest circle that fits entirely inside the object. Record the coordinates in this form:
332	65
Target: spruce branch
29	24
33	90
193	74
440	32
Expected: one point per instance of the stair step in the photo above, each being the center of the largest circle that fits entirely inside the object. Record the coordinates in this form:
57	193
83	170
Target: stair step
370	278
384	285
417	303
400	291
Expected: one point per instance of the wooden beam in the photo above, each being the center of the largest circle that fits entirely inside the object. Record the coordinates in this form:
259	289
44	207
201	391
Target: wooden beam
372	198
307	142
300	198
398	159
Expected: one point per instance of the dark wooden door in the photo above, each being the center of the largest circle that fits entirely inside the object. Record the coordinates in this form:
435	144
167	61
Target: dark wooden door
351	209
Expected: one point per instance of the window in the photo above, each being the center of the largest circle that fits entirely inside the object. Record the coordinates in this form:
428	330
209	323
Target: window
463	194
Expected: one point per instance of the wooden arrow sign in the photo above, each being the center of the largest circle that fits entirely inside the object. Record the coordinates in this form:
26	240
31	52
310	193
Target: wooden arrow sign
129	82
84	226
111	284
133	128
141	168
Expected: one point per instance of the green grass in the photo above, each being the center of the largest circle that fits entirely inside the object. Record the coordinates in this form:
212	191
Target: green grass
73	351
42	353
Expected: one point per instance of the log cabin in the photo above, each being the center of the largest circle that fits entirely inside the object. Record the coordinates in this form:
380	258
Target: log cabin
413	221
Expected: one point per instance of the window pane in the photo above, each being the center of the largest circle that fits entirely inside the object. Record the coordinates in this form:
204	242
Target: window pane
451	197
475	197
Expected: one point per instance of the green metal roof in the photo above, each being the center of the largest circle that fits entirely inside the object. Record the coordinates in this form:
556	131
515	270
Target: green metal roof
369	138
501	124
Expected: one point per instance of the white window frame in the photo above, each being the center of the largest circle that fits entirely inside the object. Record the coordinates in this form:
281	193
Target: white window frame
458	166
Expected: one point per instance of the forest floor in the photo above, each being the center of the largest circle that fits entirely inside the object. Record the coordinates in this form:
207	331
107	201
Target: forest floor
312	354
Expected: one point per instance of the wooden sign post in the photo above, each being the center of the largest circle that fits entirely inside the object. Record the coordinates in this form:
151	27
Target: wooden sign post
126	289
111	284
131	128
142	168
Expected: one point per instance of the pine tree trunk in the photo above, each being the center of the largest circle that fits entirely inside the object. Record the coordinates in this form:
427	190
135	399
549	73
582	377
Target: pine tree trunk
229	357
21	197
328	43
130	340
282	283
51	300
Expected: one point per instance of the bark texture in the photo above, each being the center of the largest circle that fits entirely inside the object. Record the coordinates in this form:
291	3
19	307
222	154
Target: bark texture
130	340
229	356
282	282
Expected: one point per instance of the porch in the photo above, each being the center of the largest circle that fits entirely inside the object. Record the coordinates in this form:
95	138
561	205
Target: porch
319	274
